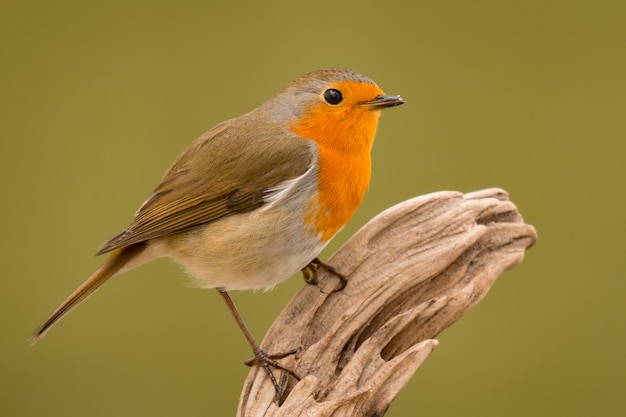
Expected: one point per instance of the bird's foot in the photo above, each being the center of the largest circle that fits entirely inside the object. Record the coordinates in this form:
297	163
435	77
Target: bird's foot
310	273
266	361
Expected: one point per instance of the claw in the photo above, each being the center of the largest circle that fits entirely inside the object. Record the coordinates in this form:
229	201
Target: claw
310	273
265	361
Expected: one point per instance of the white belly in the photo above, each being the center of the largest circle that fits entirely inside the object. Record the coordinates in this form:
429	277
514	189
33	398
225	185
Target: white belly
253	250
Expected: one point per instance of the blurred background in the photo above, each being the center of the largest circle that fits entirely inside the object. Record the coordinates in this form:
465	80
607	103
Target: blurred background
98	98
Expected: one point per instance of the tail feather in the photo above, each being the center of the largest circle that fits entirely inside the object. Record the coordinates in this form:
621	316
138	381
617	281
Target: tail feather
116	261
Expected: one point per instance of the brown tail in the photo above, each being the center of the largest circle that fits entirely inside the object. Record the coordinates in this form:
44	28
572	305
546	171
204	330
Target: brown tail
116	261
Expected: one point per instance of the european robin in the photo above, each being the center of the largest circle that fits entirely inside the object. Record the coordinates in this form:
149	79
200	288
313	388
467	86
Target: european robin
256	198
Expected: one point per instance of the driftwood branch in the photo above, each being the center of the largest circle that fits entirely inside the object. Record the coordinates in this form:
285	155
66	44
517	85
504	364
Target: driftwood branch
412	271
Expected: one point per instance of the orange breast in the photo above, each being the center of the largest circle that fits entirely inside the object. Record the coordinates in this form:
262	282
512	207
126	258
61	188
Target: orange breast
344	137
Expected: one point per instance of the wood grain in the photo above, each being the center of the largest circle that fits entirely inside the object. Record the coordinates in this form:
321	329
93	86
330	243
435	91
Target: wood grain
413	270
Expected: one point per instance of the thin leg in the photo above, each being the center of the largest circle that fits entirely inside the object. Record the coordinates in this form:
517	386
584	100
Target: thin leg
310	273
260	357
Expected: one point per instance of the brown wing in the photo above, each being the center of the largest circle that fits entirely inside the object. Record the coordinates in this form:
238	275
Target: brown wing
230	169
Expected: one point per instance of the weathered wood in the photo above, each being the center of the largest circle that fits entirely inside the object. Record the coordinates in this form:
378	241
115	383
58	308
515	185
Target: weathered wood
412	271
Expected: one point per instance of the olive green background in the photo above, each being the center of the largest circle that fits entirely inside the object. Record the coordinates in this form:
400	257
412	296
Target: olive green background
98	98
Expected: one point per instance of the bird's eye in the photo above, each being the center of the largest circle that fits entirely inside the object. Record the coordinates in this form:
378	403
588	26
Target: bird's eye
333	96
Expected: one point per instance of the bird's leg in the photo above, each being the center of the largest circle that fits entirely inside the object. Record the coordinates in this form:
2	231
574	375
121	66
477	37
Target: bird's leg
310	273
261	358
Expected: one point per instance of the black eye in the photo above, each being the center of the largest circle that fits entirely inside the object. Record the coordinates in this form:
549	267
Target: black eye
333	96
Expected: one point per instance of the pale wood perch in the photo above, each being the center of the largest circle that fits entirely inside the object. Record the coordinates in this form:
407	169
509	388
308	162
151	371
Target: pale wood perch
412	271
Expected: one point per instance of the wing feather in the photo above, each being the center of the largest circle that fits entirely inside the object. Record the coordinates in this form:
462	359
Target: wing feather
233	168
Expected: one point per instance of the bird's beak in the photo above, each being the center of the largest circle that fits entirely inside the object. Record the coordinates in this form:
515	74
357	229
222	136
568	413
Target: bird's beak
382	101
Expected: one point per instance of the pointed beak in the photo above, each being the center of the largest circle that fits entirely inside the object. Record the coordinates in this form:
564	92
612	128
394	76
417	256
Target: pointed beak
382	101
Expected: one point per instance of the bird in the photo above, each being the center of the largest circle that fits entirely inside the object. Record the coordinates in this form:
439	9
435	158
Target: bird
256	198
